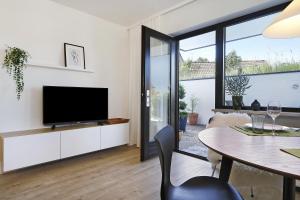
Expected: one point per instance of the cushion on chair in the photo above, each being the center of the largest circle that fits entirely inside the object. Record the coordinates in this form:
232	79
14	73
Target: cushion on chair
223	120
204	188
231	119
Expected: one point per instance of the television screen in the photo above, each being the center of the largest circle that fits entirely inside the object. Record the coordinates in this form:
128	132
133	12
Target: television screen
63	105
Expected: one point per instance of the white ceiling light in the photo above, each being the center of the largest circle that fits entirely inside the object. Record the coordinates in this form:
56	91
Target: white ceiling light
287	24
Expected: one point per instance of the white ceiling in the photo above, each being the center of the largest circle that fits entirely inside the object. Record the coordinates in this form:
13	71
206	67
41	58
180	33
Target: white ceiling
123	12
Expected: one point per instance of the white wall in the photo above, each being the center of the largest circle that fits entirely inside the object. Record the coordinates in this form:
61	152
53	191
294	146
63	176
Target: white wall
41	27
264	88
204	90
282	87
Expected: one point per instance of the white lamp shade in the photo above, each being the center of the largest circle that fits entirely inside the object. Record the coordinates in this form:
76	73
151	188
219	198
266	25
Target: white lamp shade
287	24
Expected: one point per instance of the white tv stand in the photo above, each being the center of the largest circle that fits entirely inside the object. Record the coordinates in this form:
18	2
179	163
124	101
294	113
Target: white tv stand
31	147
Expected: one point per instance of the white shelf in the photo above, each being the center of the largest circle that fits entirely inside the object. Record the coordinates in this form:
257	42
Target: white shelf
58	67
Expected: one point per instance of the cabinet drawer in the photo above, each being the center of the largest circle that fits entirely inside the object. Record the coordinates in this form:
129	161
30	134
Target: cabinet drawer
114	135
24	151
79	141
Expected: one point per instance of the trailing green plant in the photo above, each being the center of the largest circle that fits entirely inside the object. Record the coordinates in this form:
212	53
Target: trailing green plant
182	104
237	85
15	62
194	101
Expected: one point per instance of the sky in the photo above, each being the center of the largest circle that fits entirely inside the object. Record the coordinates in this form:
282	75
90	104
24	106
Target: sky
254	48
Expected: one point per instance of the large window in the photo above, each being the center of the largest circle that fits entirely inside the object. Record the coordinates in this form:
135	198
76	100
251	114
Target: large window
271	65
211	56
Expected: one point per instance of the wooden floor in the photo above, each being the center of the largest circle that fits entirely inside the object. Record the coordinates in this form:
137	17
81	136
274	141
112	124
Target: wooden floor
114	174
106	175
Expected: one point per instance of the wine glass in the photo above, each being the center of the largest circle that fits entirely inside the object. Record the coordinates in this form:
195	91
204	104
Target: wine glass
273	110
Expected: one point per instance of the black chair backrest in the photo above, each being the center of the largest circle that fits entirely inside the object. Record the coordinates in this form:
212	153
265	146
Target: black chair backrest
165	139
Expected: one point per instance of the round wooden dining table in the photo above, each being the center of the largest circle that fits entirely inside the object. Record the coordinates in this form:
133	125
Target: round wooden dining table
263	152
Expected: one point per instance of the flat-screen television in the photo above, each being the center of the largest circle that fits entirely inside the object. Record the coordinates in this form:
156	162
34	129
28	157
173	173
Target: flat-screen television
62	105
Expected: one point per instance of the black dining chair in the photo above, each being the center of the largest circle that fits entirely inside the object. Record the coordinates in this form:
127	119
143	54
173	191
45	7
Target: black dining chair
197	188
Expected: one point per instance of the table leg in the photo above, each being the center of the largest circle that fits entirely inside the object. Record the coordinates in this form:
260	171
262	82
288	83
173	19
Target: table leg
289	187
226	165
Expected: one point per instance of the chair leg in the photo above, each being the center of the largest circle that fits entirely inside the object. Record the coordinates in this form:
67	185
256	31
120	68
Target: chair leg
252	193
214	169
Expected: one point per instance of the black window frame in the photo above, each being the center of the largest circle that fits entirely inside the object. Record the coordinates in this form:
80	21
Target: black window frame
220	50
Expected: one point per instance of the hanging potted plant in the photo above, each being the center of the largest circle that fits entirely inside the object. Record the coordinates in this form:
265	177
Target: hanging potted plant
15	62
193	117
182	109
236	87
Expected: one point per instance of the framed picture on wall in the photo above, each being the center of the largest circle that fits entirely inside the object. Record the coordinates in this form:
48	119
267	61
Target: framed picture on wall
74	56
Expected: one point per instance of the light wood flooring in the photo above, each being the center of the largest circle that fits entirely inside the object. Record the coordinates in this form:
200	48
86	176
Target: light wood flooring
107	175
114	174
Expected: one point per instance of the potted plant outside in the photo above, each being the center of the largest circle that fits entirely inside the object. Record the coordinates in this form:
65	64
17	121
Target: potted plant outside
236	87
193	116
182	109
15	62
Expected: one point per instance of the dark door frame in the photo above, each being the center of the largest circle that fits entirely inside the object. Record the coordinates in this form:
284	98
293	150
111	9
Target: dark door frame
148	149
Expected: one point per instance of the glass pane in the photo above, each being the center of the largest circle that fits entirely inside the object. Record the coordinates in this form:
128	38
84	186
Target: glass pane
199	41
197	82
249	28
271	65
160	86
197	57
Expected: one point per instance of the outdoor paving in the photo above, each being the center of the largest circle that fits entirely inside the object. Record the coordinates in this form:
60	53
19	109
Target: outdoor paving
190	143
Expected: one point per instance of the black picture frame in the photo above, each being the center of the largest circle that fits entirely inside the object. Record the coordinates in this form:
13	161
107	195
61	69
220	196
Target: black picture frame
65	54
